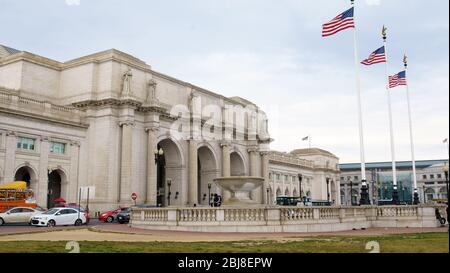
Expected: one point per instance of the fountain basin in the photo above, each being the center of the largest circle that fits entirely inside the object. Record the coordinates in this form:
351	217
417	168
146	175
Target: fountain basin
240	188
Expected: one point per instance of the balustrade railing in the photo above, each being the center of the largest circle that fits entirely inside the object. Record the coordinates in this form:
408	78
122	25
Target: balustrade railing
245	214
297	214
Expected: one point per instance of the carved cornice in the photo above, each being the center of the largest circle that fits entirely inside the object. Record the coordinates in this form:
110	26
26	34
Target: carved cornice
126	122
75	143
107	102
224	143
11	133
152	129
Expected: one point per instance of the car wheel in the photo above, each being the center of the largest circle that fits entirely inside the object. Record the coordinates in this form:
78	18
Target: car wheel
2	222
110	219
78	222
51	223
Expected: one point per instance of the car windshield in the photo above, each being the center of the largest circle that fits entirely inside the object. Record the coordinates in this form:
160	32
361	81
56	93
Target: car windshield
52	211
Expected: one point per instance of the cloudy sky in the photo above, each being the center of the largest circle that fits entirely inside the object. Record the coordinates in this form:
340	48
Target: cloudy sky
272	53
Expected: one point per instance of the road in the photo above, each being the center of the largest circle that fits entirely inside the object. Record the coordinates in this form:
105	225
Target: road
9	229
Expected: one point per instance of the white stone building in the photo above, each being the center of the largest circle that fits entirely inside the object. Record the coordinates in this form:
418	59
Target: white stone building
101	121
315	166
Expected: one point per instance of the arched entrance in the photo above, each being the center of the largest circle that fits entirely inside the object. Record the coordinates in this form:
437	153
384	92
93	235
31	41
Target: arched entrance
334	196
207	171
237	167
169	174
54	188
25	174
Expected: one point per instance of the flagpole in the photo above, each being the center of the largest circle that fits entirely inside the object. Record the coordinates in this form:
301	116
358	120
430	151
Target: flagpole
391	127
415	194
364	195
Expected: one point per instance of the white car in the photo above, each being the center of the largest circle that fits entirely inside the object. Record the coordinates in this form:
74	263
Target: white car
18	215
59	217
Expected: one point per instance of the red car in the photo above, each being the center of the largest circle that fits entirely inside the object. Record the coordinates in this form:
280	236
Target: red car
109	216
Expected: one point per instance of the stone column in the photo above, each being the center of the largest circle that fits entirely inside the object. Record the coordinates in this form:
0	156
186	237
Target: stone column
193	173
253	155
42	186
265	175
151	197
10	155
226	169
126	162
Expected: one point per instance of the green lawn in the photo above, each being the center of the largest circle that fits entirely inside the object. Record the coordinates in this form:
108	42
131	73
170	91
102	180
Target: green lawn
411	243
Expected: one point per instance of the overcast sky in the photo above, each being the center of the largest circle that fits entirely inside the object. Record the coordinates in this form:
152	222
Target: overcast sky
271	53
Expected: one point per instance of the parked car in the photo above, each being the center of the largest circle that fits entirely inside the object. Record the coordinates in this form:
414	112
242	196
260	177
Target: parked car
124	216
59	217
82	209
18	215
109	216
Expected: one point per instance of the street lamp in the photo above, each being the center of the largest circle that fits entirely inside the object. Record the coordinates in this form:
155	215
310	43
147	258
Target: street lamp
158	154
300	178
364	193
351	192
445	169
209	194
268	201
169	183
328	190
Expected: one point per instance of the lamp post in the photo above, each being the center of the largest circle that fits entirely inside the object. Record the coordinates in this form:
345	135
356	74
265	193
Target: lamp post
328	191
364	194
169	183
351	193
300	178
158	155
209	194
268	201
445	169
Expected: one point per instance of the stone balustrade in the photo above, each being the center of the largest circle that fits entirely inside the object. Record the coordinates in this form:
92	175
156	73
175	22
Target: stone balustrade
283	219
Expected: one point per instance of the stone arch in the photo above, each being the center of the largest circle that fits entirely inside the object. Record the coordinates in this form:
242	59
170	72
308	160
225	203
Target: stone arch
278	192
333	191
286	192
354	197
169	169
443	193
26	172
208	169
237	164
56	186
294	193
343	197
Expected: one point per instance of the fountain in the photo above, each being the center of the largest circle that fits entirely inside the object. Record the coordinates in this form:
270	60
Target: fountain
240	188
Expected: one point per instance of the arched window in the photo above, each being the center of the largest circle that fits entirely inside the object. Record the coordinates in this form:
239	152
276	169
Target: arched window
443	193
429	195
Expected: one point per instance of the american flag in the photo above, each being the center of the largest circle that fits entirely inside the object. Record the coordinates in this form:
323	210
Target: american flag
378	56
397	79
340	22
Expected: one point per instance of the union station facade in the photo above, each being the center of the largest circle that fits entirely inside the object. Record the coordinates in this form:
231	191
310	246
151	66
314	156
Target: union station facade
108	121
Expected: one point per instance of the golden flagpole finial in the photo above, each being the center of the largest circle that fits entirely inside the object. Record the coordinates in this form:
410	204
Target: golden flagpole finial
405	59
383	32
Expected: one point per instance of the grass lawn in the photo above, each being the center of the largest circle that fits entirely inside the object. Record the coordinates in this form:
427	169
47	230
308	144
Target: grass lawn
406	243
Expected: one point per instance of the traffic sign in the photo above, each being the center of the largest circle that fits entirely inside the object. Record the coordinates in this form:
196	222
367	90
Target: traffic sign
133	196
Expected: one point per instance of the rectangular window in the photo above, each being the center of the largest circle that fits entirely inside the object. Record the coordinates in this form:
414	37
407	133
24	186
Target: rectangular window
431	176
57	147
356	178
25	143
439	175
424	176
